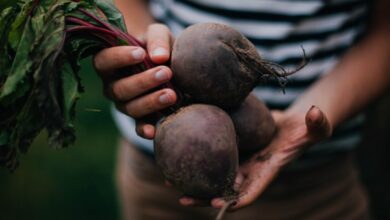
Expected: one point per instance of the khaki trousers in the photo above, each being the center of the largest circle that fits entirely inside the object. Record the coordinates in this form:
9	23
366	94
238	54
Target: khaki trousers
330	191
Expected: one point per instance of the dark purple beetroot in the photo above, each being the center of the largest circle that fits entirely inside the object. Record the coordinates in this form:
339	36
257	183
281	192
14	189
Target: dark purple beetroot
254	125
215	64
197	152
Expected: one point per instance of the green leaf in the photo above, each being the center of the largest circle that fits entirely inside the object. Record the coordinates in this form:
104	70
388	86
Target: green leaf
71	88
7	16
17	82
111	12
17	27
39	75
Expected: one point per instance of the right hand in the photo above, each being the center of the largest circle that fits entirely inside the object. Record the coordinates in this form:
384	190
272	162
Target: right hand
131	94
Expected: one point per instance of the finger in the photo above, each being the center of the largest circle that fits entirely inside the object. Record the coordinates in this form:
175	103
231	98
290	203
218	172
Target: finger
218	203
185	201
317	123
145	130
145	125
159	40
276	115
148	104
190	201
238	181
238	184
255	184
132	86
111	59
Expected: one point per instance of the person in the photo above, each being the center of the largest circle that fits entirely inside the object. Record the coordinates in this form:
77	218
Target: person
310	173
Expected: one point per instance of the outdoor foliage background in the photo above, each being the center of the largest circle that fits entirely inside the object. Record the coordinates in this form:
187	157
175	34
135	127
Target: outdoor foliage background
73	183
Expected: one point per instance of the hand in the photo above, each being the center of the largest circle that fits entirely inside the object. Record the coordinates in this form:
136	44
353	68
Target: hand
295	132
132	94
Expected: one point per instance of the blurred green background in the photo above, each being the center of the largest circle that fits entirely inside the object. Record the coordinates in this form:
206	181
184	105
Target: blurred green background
73	183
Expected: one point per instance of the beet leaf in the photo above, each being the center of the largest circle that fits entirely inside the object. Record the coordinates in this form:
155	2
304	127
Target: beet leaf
41	45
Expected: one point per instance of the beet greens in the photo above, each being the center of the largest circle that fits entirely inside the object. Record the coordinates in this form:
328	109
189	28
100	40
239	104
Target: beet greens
41	45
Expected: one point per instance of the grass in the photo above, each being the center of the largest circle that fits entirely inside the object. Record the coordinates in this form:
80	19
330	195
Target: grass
73	183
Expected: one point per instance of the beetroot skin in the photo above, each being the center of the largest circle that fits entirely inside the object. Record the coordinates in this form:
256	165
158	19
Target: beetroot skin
215	64
254	125
197	152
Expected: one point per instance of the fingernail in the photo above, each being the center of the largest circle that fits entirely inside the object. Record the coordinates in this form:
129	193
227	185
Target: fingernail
138	54
161	75
164	99
159	51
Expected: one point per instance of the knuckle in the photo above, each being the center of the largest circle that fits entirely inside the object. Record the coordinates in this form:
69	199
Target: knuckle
130	110
139	108
143	106
151	104
145	83
118	59
118	91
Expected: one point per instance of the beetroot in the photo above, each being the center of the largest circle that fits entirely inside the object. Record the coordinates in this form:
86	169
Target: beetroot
196	147
254	125
197	152
215	64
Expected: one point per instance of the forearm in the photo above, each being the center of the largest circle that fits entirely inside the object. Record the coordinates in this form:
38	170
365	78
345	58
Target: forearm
360	77
136	15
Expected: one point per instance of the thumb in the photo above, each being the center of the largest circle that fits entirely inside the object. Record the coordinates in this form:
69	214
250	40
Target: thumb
317	123
145	130
145	126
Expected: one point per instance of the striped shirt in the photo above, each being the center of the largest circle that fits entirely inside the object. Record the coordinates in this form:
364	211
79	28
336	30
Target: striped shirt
278	28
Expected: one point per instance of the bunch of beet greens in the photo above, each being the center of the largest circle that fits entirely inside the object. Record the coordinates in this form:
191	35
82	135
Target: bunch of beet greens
41	44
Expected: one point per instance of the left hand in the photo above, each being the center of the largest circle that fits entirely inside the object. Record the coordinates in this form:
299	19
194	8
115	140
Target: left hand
295	132
141	94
